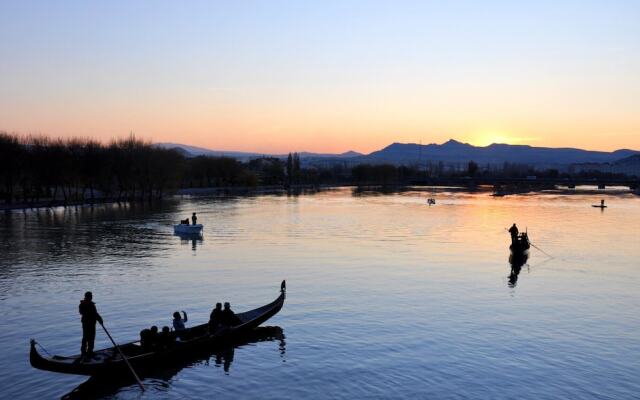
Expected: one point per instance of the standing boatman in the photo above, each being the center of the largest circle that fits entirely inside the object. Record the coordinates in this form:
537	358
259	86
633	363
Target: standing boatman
194	219
90	316
514	233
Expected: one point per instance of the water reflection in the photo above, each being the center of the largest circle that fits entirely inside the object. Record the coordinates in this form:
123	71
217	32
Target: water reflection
381	190
83	233
101	386
517	260
194	238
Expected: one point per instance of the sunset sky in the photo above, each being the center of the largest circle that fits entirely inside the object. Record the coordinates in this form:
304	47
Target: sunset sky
327	76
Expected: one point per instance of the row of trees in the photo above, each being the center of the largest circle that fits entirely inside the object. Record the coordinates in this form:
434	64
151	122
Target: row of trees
38	168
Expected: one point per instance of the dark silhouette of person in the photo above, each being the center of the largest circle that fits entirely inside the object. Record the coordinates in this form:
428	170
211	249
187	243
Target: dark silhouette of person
165	339
90	316
229	318
216	317
514	233
194	219
178	323
154	336
144	339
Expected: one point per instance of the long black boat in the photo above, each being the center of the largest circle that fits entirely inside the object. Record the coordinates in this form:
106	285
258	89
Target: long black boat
198	337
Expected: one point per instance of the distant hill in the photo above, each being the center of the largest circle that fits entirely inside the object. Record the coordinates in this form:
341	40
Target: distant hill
193	151
456	152
631	161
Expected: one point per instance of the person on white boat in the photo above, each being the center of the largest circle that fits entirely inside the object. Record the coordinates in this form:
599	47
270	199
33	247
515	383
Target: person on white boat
194	219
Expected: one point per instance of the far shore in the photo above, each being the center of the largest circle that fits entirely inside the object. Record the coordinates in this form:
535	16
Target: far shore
301	189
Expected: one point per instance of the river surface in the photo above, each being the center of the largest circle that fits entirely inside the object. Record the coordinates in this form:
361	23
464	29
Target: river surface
387	297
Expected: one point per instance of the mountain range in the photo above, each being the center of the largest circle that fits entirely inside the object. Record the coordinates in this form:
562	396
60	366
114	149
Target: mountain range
449	152
194	151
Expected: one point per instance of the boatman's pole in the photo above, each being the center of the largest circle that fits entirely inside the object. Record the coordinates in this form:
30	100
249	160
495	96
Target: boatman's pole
123	357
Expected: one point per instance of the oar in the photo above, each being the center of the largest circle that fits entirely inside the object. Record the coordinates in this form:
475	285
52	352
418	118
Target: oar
544	252
123	357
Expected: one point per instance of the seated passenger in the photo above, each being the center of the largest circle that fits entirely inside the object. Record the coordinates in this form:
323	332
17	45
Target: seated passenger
215	319
144	339
153	336
165	338
178	323
229	318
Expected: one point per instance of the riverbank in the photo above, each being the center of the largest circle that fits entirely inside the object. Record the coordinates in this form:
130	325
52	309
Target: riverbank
222	191
57	203
302	189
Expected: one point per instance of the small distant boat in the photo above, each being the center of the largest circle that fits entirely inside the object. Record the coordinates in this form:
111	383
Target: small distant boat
521	243
188	229
601	205
431	201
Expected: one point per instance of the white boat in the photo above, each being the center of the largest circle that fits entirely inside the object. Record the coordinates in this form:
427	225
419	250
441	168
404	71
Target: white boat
189	229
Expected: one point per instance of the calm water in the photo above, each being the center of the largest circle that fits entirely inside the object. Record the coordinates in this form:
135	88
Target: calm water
388	298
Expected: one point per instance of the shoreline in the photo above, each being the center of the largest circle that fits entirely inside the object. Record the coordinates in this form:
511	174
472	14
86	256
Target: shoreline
301	189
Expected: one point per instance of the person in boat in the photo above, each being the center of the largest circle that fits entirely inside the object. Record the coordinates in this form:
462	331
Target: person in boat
154	336
215	318
178	322
228	317
194	219
144	339
514	233
184	221
165	339
90	316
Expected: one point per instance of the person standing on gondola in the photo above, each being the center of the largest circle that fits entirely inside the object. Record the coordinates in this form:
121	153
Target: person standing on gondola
194	219
90	316
514	233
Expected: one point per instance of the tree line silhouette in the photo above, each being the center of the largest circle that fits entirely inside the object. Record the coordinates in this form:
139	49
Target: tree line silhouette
37	169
